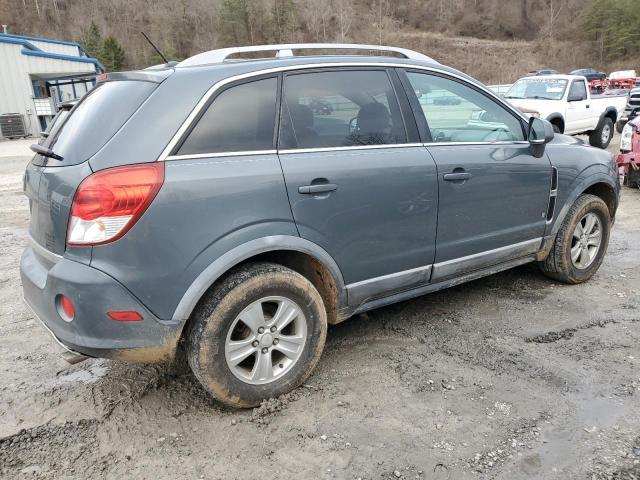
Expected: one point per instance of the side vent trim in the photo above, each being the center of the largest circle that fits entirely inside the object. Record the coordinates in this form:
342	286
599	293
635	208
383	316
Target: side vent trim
553	193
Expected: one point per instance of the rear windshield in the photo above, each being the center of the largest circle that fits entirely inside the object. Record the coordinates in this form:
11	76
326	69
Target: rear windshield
97	117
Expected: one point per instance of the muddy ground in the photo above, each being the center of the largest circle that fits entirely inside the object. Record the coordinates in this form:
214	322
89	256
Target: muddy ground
509	377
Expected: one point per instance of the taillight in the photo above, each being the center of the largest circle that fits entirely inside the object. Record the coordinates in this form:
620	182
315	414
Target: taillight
108	203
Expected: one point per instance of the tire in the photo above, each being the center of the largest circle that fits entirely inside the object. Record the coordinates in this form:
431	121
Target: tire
217	323
559	264
620	126
556	128
602	135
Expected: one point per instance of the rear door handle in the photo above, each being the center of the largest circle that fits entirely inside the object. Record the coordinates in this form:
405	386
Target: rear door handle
317	188
456	177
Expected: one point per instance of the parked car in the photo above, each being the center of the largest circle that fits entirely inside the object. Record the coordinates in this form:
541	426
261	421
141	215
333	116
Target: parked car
235	231
446	100
589	73
565	101
535	73
633	103
629	158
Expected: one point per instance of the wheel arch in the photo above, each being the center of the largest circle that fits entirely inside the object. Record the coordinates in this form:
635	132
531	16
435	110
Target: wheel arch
558	120
598	184
301	255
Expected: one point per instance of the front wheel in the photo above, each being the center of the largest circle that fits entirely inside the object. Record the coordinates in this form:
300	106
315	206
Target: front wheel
602	135
581	242
257	335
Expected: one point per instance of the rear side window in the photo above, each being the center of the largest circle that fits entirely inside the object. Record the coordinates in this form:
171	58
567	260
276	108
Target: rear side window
337	109
98	116
241	118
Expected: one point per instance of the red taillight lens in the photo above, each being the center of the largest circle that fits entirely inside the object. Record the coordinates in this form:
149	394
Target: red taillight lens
125	316
108	203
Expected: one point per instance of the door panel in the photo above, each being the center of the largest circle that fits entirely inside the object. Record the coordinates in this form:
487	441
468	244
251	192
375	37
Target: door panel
493	194
380	216
578	111
502	203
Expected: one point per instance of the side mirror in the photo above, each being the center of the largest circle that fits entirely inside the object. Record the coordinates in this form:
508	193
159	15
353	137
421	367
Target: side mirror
539	134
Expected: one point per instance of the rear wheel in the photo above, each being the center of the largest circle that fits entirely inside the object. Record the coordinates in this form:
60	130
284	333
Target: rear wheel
581	242
257	335
602	135
620	126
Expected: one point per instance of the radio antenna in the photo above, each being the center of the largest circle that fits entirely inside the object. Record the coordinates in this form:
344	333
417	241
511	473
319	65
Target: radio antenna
154	47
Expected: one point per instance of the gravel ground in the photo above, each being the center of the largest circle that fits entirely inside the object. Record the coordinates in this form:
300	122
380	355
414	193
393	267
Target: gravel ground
509	377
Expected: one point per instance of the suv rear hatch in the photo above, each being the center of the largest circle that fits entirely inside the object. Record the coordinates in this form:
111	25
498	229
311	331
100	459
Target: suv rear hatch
50	183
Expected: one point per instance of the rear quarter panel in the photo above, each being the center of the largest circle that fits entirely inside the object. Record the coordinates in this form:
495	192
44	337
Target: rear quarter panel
205	208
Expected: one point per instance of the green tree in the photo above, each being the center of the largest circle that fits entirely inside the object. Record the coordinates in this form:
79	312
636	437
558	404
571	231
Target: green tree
91	40
112	55
285	20
234	23
614	27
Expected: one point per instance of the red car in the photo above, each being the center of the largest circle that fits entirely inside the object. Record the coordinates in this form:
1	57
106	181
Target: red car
629	158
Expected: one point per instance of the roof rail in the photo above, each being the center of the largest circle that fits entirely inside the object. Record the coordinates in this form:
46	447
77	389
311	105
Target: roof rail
286	50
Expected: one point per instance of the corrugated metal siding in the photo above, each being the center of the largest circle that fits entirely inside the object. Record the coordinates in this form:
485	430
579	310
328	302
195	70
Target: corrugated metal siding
16	93
56	48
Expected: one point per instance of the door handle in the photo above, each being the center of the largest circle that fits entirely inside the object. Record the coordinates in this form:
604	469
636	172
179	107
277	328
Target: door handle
456	177
317	188
588	106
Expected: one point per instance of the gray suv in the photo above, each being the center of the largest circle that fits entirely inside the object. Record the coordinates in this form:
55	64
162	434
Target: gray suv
212	208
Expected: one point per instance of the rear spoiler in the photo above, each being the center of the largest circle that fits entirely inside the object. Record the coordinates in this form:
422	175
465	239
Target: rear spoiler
153	76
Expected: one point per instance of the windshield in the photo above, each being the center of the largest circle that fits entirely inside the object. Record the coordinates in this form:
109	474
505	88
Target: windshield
538	88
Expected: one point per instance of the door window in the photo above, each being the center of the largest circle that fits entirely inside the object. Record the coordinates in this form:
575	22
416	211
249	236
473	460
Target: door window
241	118
456	112
578	91
338	109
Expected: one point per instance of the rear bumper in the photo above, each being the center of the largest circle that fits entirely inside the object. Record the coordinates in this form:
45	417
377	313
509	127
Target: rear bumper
93	293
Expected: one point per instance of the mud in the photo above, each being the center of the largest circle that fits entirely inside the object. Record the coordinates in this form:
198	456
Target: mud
512	376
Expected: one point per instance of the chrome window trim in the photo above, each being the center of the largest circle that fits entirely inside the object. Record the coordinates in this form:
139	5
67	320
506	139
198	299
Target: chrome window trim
350	147
218	85
242	153
449	144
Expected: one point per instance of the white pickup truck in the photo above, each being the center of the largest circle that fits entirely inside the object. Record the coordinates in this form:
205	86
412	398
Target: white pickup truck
565	100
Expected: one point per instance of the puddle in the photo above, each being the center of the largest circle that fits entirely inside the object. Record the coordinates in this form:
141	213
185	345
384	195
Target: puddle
89	374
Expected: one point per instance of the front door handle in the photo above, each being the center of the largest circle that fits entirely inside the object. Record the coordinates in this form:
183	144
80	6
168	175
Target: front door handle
317	188
457	177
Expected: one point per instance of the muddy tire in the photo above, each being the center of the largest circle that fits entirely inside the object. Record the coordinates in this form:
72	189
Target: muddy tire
256	335
602	135
565	261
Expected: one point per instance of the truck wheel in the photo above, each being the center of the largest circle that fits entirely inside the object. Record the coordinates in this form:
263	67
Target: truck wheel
602	135
256	335
620	126
581	242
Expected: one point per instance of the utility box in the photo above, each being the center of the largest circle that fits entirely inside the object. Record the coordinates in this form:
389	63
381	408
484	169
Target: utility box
12	125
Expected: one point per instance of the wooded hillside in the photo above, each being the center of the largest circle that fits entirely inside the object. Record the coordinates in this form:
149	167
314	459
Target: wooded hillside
493	40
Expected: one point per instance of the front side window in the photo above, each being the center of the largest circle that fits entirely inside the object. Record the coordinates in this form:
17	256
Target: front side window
578	91
241	118
338	109
458	113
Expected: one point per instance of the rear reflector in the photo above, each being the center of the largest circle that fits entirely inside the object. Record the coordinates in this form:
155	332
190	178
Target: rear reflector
125	316
108	203
65	308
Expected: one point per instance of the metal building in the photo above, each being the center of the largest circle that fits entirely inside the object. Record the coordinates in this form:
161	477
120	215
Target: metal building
38	73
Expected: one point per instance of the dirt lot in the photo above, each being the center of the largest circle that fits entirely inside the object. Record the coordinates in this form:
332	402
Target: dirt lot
509	377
